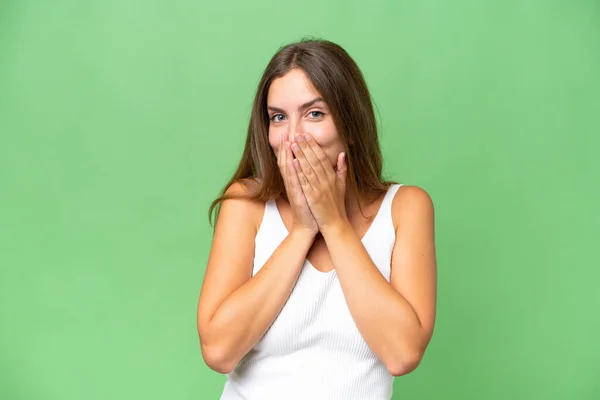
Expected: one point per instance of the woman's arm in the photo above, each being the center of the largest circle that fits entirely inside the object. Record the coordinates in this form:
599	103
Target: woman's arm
396	319
235	309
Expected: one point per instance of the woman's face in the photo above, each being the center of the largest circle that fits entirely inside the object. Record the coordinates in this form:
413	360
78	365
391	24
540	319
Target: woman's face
295	107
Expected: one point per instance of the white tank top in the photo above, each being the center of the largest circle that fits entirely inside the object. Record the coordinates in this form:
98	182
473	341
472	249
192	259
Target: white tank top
313	350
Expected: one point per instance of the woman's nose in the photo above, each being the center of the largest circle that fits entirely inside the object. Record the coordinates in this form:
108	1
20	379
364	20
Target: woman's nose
295	129
293	135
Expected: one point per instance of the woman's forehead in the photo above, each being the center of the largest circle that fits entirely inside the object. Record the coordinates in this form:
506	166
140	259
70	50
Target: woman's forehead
292	88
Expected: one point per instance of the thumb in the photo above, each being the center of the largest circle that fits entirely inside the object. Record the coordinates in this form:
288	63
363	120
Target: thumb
342	167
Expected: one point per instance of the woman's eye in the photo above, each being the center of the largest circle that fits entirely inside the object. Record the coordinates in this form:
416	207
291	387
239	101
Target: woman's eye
316	114
277	118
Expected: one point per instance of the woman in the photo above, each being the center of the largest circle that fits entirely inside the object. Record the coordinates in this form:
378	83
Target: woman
321	279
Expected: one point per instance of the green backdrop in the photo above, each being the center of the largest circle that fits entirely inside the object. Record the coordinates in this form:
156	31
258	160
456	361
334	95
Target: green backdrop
120	120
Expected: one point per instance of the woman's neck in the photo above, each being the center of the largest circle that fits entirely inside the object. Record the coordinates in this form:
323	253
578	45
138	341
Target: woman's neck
351	203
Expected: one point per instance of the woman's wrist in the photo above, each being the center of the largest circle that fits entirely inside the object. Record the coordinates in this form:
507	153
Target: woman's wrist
303	234
336	228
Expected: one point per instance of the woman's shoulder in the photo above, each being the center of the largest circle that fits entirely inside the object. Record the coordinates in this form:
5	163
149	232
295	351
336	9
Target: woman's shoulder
411	193
239	201
243	188
411	202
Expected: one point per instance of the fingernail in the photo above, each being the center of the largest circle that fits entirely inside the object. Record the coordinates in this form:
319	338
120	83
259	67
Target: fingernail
307	136
295	147
299	138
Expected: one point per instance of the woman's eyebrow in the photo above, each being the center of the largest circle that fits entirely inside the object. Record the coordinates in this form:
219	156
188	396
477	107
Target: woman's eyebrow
302	107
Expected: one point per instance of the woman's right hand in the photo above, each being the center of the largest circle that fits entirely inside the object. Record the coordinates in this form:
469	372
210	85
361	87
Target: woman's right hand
303	220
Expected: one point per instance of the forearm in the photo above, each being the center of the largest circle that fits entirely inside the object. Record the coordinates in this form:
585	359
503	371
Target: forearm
244	317
386	320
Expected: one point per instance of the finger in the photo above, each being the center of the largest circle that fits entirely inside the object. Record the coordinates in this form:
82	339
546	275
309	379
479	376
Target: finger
289	153
285	172
284	163
316	155
279	151
305	185
311	157
288	156
307	170
342	168
294	181
280	159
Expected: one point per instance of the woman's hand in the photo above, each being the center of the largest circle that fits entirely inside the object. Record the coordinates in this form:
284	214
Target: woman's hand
303	220
323	187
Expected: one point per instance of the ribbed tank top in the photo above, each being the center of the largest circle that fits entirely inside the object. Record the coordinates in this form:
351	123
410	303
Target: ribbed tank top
313	350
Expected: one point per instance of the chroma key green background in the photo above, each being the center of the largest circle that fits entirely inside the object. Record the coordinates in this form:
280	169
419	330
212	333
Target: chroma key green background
120	120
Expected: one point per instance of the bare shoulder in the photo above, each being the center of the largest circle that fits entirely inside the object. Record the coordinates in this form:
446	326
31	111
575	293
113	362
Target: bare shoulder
242	186
231	254
235	229
412	204
240	208
414	264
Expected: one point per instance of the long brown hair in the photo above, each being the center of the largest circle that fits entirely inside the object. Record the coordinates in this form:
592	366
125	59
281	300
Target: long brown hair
340	82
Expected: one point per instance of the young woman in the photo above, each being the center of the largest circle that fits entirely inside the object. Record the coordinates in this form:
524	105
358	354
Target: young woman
321	280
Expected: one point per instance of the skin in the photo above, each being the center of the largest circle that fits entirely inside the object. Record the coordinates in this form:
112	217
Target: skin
395	318
286	95
290	117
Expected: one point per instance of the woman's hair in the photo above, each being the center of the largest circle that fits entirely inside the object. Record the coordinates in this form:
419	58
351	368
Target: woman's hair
340	82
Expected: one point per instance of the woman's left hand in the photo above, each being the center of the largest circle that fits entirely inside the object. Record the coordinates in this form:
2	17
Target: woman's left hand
324	188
